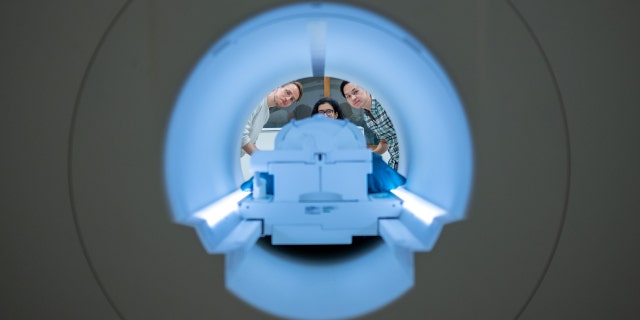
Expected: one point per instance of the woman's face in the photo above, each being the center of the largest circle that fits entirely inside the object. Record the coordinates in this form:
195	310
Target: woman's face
327	110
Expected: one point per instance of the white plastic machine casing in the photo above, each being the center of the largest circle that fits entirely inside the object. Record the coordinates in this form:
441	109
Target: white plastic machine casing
319	169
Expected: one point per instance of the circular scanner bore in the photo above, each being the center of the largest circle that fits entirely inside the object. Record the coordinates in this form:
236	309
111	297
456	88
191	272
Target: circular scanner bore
319	47
119	193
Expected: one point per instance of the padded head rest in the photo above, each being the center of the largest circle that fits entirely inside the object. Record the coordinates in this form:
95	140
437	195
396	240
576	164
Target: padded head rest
319	134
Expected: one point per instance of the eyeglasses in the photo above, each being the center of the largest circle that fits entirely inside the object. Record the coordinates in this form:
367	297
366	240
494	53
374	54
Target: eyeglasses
328	112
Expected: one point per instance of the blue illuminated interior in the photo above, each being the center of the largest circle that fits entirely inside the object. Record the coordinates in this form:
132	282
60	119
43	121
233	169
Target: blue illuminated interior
203	147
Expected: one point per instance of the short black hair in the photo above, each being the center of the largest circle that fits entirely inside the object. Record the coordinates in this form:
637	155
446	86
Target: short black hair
344	83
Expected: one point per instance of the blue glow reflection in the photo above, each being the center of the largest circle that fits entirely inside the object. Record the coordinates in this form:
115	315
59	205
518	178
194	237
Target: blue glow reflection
203	139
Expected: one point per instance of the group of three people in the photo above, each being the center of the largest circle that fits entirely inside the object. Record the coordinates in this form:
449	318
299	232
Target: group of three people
376	119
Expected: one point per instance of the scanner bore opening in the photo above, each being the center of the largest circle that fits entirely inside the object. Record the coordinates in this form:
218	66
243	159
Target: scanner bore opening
443	177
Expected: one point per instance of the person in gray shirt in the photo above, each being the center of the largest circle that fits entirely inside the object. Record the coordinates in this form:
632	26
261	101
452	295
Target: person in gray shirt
281	97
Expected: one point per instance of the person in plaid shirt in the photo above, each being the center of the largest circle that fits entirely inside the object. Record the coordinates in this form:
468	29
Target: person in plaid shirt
375	118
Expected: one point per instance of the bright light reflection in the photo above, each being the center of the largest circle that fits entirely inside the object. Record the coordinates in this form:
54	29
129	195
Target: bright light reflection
423	209
222	208
196	175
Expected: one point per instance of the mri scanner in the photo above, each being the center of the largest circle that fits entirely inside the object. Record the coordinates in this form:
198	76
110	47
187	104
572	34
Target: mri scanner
319	183
318	180
546	228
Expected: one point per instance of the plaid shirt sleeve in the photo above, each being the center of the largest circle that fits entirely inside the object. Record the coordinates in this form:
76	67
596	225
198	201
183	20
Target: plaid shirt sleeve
382	126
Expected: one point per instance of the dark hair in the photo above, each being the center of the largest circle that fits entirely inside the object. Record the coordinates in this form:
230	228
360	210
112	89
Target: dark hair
334	104
344	83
